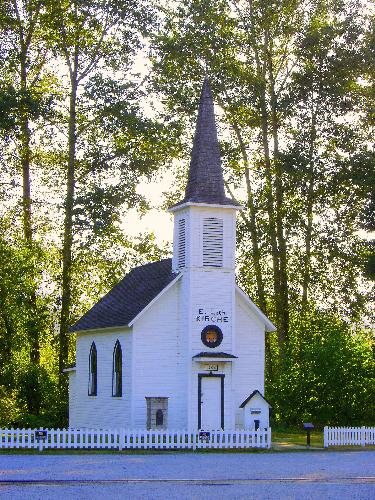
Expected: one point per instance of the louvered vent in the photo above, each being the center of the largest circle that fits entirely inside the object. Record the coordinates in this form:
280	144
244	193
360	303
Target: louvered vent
181	243
213	242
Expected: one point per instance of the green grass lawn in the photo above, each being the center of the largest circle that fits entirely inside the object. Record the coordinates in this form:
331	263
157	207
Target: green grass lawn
293	438
296	438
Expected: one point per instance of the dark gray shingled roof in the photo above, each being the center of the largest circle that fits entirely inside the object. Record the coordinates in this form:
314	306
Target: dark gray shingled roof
129	297
205	182
251	396
214	355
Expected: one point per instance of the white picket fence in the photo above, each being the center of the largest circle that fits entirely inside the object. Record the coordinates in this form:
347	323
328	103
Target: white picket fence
132	439
344	436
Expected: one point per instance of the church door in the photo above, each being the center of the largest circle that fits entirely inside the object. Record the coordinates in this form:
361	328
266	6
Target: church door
211	402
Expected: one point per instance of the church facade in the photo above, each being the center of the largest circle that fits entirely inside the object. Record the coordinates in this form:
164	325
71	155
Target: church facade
177	344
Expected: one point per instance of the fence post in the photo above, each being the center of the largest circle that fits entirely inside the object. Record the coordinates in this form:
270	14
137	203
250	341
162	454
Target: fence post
325	442
40	444
120	439
363	436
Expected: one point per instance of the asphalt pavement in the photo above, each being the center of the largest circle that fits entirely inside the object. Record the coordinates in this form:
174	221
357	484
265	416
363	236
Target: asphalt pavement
297	475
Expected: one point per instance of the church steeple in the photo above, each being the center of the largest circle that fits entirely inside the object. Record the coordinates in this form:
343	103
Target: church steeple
205	220
205	182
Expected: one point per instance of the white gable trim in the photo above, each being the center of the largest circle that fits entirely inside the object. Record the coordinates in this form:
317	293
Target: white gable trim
270	327
104	329
131	323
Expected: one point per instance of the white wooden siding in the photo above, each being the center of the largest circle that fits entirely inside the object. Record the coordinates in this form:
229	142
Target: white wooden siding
194	216
211	292
72	396
256	403
248	370
160	351
103	409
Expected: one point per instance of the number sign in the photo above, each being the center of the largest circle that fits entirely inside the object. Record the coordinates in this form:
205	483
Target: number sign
204	436
39	435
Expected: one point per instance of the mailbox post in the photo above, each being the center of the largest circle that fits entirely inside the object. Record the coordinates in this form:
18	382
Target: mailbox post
308	427
41	436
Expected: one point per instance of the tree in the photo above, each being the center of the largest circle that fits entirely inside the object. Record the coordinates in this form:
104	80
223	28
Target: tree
25	52
95	38
280	71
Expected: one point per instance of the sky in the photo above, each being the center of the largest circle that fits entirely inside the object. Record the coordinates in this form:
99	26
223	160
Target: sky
157	220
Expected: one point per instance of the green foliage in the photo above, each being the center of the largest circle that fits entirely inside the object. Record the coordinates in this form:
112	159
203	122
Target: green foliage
307	66
328	377
27	391
10	410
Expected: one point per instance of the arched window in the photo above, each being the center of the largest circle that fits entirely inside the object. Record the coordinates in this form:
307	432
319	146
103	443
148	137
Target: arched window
159	417
117	370
93	370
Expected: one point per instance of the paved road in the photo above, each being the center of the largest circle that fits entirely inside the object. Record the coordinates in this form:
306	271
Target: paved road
324	475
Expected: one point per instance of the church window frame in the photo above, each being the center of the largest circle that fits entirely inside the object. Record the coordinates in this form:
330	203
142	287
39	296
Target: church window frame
93	371
211	336
117	370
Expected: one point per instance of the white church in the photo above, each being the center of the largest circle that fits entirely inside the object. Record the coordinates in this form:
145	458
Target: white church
177	344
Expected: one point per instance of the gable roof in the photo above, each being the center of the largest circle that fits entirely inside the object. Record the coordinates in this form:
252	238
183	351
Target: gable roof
254	393
206	183
129	297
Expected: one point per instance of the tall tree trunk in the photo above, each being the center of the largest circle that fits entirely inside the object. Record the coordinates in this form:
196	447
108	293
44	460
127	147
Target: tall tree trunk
261	70
25	157
308	237
283	326
251	220
252	227
309	208
251	224
68	224
272	223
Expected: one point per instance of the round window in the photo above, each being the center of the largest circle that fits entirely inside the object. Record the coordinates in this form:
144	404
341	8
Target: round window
211	336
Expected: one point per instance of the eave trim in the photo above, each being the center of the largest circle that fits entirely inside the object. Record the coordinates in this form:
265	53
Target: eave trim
270	327
150	304
253	394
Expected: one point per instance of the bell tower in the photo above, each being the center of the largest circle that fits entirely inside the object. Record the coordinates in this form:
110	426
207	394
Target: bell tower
204	245
208	240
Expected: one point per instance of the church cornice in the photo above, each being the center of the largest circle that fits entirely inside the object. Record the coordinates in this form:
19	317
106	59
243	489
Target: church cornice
204	205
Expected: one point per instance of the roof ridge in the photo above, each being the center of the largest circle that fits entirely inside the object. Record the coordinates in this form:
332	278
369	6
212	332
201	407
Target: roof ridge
149	264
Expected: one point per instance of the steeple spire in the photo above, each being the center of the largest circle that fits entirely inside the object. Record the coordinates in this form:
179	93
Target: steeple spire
205	183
